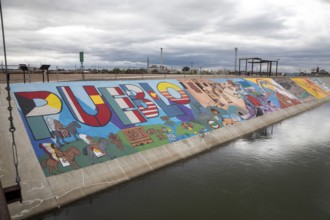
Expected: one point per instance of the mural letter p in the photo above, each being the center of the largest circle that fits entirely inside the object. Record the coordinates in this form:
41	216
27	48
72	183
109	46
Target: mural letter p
35	105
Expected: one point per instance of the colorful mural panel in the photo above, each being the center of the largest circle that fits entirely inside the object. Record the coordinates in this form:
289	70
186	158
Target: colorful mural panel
257	101
321	84
72	125
294	89
311	87
274	92
220	99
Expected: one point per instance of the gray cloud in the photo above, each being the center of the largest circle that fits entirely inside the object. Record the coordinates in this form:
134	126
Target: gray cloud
126	32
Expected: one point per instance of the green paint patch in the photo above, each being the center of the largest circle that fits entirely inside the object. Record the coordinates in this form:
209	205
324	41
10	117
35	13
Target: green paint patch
157	134
189	129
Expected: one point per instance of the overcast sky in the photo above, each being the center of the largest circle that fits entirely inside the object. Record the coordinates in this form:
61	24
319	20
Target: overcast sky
123	33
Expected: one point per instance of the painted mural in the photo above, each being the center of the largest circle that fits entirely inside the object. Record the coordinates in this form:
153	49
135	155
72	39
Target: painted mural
73	125
77	124
294	89
321	84
259	96
311	87
220	100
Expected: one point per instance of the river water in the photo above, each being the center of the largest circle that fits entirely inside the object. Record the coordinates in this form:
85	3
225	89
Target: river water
281	172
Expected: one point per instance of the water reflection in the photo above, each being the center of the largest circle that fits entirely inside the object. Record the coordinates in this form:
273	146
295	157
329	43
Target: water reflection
263	133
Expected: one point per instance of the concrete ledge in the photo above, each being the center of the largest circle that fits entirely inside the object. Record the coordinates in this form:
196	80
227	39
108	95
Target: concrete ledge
133	166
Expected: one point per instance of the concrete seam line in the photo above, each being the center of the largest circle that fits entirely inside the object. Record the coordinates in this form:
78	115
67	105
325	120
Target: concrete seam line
83	177
167	150
122	170
55	197
145	160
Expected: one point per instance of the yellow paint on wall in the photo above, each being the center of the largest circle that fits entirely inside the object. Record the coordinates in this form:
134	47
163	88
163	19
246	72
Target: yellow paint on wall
310	87
163	86
97	99
54	101
270	83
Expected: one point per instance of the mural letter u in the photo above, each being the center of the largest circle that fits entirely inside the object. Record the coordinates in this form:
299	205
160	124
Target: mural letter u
103	113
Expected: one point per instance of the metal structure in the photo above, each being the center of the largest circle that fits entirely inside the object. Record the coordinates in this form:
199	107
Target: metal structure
24	68
258	61
44	68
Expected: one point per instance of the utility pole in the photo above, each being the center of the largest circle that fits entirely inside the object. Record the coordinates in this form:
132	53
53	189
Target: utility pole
81	56
236	59
148	64
161	58
161	62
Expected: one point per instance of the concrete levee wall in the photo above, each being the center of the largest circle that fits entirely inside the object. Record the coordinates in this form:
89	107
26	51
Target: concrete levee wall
42	193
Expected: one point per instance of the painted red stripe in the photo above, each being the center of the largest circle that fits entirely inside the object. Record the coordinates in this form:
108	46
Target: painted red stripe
72	98
32	95
149	107
103	113
119	91
128	102
149	110
183	94
151	115
81	112
148	115
153	107
91	90
139	115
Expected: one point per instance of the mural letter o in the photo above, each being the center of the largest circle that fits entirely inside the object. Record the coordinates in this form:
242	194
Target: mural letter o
163	89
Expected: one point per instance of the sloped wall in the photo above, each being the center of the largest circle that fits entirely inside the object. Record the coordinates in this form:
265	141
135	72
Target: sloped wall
77	138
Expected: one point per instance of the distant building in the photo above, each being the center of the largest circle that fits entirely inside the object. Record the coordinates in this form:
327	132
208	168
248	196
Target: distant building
158	69
318	72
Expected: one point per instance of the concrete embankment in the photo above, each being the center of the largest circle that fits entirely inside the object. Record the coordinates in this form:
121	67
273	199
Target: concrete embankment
43	192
